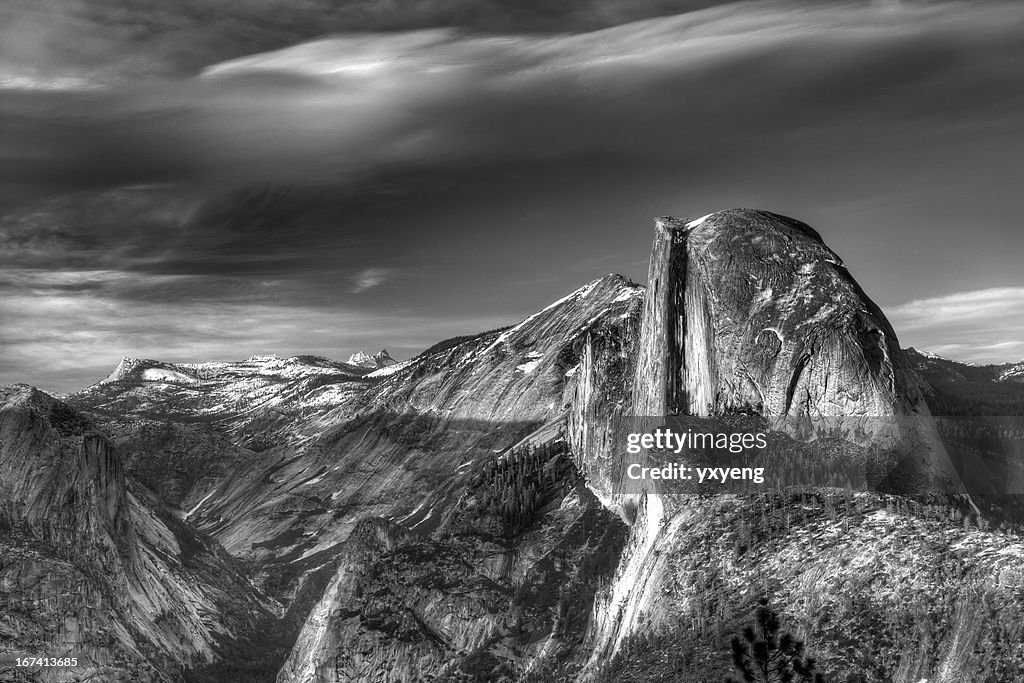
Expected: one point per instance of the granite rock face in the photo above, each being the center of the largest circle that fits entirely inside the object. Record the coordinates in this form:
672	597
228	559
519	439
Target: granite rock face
92	567
745	312
59	479
381	359
602	399
280	460
748	310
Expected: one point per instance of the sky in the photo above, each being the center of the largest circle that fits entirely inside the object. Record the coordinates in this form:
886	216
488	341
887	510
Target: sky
210	180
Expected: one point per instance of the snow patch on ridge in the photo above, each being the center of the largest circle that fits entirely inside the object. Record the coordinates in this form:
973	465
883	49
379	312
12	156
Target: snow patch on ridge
197	505
164	375
699	221
507	334
389	370
1014	374
533	360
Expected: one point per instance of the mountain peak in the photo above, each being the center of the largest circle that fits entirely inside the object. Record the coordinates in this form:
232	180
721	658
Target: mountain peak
934	356
378	360
774	273
126	369
359	358
750	311
25	395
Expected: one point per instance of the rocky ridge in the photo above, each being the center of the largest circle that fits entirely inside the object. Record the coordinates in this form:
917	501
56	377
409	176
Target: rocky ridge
400	446
932	364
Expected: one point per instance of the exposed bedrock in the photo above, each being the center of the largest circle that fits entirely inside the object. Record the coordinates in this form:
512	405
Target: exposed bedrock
750	312
745	312
92	567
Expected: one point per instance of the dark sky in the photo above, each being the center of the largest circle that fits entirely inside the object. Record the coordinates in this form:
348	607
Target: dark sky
210	180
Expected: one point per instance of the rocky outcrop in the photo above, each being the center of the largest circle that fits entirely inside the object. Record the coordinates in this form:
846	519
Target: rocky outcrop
745	312
182	463
381	359
879	588
1014	373
93	567
602	398
750	311
60	481
461	603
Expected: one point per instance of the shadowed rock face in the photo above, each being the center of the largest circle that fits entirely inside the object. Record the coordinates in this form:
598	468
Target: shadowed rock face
773	323
602	397
59	478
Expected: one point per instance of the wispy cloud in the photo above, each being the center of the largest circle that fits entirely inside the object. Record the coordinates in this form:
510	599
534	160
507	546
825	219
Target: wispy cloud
109	40
505	160
370	278
353	103
64	340
985	326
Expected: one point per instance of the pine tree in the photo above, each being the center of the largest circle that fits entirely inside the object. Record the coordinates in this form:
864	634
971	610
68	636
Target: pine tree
765	656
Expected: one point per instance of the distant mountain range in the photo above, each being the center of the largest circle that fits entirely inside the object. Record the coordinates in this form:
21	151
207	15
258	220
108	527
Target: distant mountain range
953	370
460	516
957	388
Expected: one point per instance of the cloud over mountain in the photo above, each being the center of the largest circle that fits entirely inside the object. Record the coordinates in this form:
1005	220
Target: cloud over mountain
499	156
984	326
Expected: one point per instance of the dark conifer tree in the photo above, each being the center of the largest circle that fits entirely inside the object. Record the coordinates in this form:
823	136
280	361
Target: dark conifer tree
763	655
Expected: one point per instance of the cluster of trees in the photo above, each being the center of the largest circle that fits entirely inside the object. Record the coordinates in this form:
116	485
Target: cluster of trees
248	661
761	653
988	431
451	343
770	517
989	454
516	486
975	398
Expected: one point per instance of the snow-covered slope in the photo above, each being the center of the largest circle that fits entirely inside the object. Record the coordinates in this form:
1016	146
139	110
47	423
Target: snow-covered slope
1014	373
265	398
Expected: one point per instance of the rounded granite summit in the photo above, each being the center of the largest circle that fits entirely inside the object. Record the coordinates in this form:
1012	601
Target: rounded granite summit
770	319
753	220
749	312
